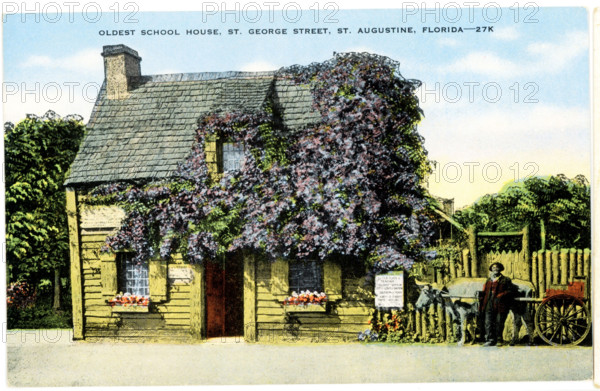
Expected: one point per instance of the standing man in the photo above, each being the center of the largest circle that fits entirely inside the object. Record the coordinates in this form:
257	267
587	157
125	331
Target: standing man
495	304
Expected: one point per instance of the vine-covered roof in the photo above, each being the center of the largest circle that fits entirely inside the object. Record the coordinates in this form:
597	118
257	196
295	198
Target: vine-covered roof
146	135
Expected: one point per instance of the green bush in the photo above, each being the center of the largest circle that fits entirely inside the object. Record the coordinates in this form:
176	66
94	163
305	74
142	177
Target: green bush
32	308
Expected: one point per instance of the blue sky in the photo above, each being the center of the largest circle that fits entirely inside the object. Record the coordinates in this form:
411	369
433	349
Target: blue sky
498	105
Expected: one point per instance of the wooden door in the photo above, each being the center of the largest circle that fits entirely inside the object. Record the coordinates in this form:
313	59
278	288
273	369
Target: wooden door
234	296
215	299
224	298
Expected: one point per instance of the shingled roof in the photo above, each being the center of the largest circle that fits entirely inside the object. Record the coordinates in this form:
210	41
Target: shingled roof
145	136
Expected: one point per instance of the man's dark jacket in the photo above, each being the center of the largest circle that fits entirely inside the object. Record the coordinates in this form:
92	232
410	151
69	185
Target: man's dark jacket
502	292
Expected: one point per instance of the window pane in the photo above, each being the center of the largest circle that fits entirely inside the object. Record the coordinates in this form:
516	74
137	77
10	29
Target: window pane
134	277
233	153
306	275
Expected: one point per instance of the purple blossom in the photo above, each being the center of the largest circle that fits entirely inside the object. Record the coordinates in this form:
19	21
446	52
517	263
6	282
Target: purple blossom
348	185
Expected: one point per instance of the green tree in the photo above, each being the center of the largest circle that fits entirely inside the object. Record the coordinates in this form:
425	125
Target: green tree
556	208
38	153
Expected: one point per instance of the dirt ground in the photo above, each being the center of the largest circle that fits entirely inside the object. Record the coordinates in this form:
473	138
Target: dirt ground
38	358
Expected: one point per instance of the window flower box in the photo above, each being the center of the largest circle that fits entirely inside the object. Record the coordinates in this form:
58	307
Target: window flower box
306	301
305	308
129	303
130	308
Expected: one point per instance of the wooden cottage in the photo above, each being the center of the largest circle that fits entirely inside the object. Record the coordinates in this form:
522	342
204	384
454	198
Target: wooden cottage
141	127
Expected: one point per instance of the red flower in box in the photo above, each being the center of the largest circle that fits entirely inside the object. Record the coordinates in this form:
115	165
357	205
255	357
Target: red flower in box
127	299
306	298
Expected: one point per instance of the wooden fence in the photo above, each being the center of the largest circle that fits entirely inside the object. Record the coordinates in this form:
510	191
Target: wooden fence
541	268
544	269
559	267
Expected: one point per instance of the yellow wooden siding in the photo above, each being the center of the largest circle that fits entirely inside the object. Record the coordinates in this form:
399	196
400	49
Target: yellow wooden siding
268	304
75	260
157	275
172	317
332	280
197	303
342	323
280	279
180	314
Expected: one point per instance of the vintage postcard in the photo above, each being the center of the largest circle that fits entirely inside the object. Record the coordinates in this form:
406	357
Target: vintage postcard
294	192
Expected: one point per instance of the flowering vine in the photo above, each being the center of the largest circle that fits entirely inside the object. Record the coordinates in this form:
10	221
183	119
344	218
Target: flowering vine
350	184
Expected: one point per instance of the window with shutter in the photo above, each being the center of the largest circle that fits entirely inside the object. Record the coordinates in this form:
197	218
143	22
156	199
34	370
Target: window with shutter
120	273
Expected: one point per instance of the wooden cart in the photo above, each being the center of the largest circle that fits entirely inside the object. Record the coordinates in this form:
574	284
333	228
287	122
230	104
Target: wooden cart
563	317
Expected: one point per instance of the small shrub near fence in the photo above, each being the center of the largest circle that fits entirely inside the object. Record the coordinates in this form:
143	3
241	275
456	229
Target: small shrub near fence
407	326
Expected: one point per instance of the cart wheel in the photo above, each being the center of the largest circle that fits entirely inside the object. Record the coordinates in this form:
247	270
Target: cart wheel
562	320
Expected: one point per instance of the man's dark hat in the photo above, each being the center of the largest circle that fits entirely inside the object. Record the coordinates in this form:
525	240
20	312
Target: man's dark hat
500	266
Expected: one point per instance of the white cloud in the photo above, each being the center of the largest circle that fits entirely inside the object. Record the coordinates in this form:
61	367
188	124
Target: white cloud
506	33
506	124
485	63
258	66
542	57
85	61
554	57
14	110
63	97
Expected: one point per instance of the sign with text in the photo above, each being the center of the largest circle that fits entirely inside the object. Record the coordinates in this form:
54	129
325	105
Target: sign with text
180	275
389	290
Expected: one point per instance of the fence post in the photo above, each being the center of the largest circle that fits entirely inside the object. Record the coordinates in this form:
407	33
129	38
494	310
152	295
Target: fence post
418	323
554	267
449	328
586	270
472	241
452	267
586	263
525	249
548	268
564	272
465	259
424	326
572	264
473	267
441	323
580	262
534	270
541	275
431	321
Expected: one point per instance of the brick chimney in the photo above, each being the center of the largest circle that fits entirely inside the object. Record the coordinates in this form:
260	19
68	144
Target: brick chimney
121	63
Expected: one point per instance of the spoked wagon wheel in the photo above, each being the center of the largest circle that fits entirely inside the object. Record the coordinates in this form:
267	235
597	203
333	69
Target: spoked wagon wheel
562	320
